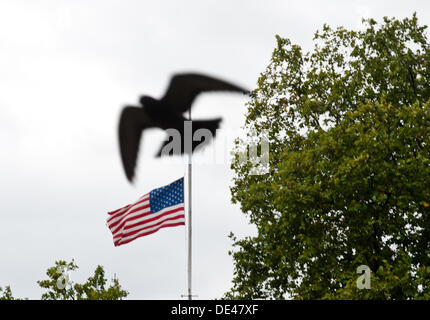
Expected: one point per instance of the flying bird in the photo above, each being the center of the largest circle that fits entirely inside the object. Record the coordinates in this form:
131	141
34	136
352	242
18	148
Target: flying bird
167	113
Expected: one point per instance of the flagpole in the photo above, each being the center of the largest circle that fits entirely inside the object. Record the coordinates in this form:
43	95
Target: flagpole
190	158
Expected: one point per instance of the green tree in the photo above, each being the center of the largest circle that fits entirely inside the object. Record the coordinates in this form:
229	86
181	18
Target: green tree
60	287
349	180
6	293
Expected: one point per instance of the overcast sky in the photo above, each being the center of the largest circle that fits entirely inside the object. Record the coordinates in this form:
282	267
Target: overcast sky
66	70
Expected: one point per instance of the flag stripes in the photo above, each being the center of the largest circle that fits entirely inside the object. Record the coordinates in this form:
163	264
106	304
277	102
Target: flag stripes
160	208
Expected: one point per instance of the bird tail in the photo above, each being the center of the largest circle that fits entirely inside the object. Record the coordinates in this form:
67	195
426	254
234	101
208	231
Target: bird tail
211	125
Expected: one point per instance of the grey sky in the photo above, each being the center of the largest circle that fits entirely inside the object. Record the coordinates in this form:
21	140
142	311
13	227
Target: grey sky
67	68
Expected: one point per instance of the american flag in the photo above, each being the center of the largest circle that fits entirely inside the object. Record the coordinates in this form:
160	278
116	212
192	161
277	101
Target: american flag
160	208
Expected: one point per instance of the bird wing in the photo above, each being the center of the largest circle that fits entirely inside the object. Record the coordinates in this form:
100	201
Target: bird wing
132	122
183	89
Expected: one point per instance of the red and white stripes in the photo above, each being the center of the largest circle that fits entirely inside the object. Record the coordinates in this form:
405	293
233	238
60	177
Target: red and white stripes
136	220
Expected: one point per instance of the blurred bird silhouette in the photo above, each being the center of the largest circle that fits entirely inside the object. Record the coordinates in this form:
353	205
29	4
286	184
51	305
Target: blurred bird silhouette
167	113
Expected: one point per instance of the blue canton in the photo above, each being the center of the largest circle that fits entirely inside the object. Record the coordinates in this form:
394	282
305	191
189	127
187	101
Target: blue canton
167	196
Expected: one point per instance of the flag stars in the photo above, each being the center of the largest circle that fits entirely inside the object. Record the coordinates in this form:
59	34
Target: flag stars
162	198
167	196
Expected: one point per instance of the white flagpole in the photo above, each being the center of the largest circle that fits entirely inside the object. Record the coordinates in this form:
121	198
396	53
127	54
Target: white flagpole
190	157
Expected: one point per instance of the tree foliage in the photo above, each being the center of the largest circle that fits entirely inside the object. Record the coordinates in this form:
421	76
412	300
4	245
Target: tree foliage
6	293
349	181
59	286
